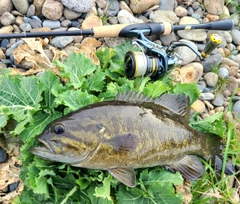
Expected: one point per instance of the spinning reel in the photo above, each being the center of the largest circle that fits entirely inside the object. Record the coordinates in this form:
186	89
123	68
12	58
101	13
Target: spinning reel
155	60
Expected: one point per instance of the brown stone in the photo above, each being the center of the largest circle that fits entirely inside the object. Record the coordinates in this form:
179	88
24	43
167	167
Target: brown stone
141	6
52	10
198	106
91	22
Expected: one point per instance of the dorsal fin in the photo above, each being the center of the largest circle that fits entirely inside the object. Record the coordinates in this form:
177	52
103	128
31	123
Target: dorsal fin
133	97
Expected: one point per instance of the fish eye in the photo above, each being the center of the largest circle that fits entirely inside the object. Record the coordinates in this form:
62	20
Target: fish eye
58	129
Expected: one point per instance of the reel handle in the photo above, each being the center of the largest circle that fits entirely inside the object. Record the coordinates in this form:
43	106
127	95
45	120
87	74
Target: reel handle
214	41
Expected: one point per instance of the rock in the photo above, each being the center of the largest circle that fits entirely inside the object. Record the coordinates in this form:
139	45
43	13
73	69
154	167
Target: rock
180	11
25	27
124	6
214	7
186	53
230	86
52	9
70	15
19	20
196	35
21	5
198	106
6	29
38	6
2	55
113	8
10	50
235	35
167	39
211	79
3	155
218	100
229	62
35	23
90	22
141	6
206	96
236	108
51	24
112	42
7	19
223	72
81	6
77	38
164	16
103	3
61	41
211	62
212	17
233	70
124	17
5	6
66	23
4	43
237	59
31	11
167	5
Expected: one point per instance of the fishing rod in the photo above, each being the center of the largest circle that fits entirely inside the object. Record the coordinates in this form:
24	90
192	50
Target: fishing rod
128	30
153	60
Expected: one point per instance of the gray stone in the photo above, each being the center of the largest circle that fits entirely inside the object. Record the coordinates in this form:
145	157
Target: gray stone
37	19
164	16
51	24
66	23
186	53
167	5
206	96
61	41
218	100
31	11
113	8
25	27
235	36
214	7
21	5
10	50
167	39
35	24
5	6
70	15
211	79
236	108
223	72
81	6
211	62
7	19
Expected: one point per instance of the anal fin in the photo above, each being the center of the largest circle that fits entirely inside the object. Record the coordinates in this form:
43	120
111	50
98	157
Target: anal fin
125	175
190	167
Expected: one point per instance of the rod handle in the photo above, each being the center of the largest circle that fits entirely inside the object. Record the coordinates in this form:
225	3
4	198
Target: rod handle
226	24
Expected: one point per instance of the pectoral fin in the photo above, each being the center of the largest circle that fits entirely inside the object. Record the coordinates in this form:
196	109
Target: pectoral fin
125	175
190	167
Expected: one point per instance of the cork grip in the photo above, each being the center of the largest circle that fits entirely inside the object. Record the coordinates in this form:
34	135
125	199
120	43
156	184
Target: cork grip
167	28
108	31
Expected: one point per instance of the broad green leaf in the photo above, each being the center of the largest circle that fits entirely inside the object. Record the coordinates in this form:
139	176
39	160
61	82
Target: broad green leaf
105	55
49	80
95	82
213	124
75	99
3	121
76	67
155	89
104	190
190	90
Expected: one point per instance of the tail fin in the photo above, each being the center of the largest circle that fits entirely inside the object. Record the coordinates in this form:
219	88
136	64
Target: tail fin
216	148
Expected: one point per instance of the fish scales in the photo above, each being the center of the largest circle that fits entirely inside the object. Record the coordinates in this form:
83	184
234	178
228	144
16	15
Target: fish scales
125	134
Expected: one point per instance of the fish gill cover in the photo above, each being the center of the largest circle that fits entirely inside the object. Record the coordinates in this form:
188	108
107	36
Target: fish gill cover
33	102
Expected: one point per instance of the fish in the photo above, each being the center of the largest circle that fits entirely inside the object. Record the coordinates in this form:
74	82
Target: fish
133	131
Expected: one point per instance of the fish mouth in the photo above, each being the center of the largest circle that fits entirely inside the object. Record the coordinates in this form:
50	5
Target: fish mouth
44	149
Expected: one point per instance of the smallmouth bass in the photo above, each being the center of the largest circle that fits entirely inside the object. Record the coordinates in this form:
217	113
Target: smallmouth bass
133	131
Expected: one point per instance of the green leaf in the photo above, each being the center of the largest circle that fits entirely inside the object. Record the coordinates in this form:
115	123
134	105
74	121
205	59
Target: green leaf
75	99
190	90
155	89
105	55
49	80
3	121
104	190
213	124
20	97
76	67
95	82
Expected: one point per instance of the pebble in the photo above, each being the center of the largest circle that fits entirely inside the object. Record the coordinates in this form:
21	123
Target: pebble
180	11
52	10
236	108
124	17
61	41
70	15
113	8
167	39
3	155
7	19
206	96
164	16
25	27
35	23
214	7
167	5
196	35
38	6
211	79
5	6
31	11
198	106
141	6
21	5
186	53
4	43
10	50
209	105
211	62
235	35
223	72
218	100
51	24
81	6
